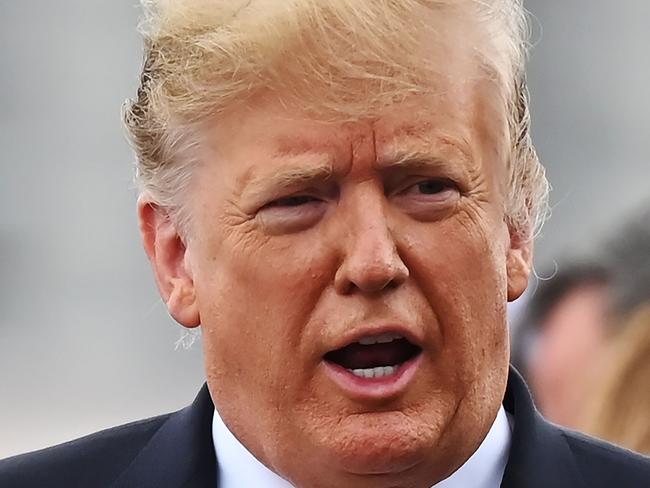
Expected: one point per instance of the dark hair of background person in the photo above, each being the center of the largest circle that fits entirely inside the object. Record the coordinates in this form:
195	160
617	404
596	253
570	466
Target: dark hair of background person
626	253
547	295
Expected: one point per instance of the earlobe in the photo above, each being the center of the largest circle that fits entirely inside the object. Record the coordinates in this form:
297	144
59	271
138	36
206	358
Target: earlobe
182	304
518	265
168	256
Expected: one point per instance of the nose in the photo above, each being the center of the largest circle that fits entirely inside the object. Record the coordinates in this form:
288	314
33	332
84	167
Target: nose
371	261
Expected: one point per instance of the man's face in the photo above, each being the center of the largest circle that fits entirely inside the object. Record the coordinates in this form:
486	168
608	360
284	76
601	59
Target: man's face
568	352
351	280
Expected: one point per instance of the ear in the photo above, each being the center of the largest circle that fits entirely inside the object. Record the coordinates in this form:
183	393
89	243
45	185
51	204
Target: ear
519	262
168	255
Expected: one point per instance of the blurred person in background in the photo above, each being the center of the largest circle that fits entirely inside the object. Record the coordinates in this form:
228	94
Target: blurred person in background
573	318
618	409
626	253
561	336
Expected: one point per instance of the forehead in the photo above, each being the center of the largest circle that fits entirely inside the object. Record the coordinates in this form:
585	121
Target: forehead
436	87
462	115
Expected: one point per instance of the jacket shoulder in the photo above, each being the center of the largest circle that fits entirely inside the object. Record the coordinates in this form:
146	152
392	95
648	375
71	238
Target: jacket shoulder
93	460
605	465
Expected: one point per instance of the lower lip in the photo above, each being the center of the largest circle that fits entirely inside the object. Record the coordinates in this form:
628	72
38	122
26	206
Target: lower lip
382	388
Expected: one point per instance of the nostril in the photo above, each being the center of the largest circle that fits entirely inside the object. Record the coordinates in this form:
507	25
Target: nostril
392	285
370	277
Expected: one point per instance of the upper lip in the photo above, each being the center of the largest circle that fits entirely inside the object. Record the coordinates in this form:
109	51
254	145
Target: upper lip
411	334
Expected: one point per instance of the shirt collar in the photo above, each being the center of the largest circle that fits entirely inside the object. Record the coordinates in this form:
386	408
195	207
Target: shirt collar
484	469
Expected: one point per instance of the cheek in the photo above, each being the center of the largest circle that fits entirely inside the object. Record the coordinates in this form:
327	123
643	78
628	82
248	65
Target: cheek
463	276
254	307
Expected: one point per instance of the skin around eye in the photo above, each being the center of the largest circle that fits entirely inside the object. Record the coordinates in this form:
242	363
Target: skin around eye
291	214
428	199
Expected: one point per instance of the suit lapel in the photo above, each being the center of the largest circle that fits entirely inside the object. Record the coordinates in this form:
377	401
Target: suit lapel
540	457
180	454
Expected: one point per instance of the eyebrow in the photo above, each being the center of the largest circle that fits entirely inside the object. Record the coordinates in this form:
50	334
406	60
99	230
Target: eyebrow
417	160
312	168
291	175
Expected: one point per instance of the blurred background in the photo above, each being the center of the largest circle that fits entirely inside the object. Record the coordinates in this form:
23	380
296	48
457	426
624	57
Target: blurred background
85	342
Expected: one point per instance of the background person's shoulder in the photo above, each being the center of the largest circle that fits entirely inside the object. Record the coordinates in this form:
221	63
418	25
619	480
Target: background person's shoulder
95	460
605	465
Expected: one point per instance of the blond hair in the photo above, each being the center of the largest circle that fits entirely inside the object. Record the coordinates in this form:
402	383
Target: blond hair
342	57
619	410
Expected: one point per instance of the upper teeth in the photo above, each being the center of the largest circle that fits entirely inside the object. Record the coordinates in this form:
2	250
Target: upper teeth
378	372
379	339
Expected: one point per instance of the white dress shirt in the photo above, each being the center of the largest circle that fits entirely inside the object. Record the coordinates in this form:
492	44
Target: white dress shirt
238	468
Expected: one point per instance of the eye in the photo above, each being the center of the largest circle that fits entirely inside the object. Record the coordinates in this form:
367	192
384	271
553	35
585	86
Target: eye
432	187
436	187
291	214
292	201
428	199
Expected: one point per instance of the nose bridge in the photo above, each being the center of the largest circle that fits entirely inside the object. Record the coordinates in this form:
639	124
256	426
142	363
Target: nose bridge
371	260
370	235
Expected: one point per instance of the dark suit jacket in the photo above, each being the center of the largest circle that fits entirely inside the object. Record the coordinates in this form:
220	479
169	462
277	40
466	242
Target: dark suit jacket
175	450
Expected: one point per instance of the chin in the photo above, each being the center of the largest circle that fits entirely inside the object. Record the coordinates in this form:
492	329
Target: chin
381	443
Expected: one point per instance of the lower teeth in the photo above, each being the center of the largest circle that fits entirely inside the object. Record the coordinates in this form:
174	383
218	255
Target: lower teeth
378	372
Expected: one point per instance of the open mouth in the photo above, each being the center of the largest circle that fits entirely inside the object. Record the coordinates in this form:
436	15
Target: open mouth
376	356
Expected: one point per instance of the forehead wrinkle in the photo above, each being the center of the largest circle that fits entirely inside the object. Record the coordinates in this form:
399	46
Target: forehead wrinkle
412	130
331	145
290	146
